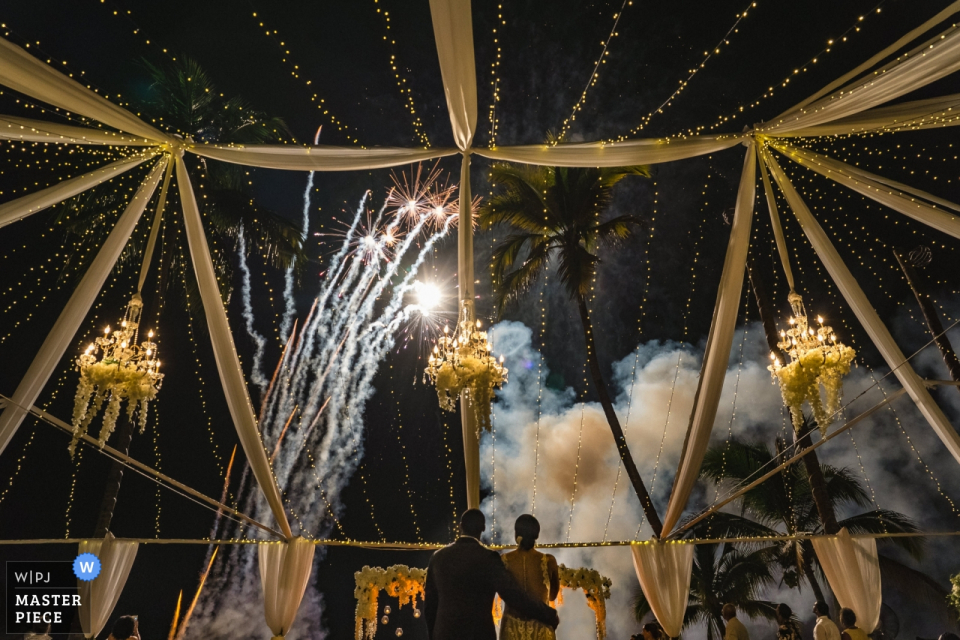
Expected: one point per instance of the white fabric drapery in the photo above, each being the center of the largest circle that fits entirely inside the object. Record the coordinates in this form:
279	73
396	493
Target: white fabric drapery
852	568
99	596
225	352
865	312
921	114
869	185
663	569
64	330
284	574
936	59
316	158
453	32
613	154
33	202
717	353
22	72
27	130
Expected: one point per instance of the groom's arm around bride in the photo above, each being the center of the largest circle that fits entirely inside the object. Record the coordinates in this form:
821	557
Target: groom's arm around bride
463	578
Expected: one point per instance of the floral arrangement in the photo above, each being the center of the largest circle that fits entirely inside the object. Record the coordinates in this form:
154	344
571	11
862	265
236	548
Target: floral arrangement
462	364
817	360
953	598
125	372
399	581
595	587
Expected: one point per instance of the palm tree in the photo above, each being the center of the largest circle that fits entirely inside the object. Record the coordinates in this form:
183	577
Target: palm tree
723	573
556	212
784	505
184	101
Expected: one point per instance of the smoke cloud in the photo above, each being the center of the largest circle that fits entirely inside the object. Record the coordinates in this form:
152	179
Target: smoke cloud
549	445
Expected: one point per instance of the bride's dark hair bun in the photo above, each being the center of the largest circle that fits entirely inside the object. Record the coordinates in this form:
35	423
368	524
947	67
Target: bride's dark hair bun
528	530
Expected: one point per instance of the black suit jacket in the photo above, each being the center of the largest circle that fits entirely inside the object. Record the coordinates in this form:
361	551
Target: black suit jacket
461	581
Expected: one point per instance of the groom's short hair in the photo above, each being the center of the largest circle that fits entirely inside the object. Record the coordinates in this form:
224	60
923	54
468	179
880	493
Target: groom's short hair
472	523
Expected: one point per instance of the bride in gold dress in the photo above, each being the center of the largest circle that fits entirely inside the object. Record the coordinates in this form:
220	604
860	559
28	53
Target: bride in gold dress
537	575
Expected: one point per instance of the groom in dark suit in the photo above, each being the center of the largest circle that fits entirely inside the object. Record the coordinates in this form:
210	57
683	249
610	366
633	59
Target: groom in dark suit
462	579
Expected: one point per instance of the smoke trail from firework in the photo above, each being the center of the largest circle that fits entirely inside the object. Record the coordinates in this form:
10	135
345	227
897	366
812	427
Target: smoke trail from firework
290	309
256	370
324	381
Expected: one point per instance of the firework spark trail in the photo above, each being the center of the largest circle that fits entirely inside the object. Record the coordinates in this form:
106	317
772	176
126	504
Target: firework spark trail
256	369
293	388
290	308
327	371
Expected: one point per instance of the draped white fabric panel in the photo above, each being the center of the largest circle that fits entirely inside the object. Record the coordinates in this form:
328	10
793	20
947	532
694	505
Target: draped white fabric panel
22	72
927	65
318	158
903	41
777	226
99	596
920	114
465	276
453	31
717	353
34	202
867	184
619	154
14	128
65	328
865	312
852	568
284	573
664	569
225	352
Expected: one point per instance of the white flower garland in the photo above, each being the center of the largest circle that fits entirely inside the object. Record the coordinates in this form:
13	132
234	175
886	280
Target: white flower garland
118	382
399	581
595	586
800	382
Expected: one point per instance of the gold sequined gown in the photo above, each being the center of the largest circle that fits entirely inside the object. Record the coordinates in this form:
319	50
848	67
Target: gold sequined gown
539	577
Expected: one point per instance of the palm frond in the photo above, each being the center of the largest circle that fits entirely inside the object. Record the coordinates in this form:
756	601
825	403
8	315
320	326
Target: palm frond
887	521
518	282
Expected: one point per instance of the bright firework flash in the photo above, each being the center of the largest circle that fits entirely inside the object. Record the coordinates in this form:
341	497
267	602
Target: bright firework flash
431	307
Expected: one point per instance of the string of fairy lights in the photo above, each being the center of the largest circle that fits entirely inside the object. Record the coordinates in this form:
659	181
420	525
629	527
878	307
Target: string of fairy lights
498	26
684	83
830	45
287	58
406	91
595	74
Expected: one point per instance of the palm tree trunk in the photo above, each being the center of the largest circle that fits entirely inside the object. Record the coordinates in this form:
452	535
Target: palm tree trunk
720	622
811	462
930	315
114	477
614	422
815	585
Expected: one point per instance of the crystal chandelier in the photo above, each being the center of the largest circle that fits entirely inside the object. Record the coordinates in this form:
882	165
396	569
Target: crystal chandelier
462	363
125	371
817	359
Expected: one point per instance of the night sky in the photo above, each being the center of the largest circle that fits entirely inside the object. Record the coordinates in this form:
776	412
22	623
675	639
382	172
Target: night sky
548	51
